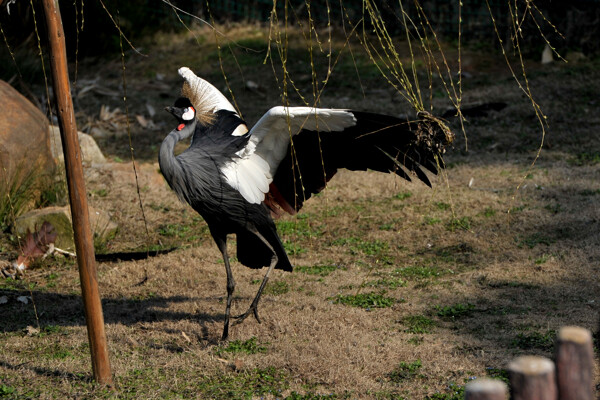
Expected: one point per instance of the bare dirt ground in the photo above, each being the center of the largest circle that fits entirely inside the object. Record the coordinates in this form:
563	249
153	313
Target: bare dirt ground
399	291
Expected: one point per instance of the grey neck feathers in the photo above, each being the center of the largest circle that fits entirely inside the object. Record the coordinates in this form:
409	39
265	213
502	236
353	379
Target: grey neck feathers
169	165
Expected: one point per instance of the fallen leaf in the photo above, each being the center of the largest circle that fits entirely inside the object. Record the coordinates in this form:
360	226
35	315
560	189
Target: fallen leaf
238	364
30	330
186	337
252	85
151	110
142	121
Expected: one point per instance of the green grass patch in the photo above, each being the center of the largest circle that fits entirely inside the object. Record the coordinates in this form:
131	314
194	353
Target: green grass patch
584	158
427	220
388	226
417	272
498	373
416	340
365	300
533	240
589	192
51	280
554	208
440	205
455	311
489	212
403	195
29	188
293	248
250	346
52	330
176	231
56	352
100	192
321	270
6	391
368	247
405	371
243	385
277	288
535	340
300	227
455	224
455	392
418	324
314	396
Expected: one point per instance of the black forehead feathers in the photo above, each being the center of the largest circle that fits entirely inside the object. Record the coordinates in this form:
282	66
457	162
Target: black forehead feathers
183	102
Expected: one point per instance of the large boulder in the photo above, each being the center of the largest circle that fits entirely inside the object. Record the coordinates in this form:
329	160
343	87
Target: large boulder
90	152
25	153
60	217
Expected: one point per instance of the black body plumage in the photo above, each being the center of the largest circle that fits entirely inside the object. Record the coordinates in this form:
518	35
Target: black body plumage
199	181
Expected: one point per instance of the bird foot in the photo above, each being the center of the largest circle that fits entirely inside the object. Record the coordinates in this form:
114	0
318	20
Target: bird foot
253	309
225	332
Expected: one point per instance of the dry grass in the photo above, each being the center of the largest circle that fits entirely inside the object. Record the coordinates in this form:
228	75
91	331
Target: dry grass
489	284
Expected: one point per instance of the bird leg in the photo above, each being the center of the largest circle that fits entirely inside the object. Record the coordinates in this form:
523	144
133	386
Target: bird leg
222	244
254	305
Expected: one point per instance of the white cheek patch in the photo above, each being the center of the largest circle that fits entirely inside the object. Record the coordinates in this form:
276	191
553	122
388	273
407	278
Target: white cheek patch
188	114
240	130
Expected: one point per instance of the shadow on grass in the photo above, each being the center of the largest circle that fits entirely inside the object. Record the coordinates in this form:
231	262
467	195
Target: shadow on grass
74	377
54	309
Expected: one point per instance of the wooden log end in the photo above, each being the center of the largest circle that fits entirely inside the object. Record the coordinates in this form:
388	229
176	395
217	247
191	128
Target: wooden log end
486	389
574	334
531	365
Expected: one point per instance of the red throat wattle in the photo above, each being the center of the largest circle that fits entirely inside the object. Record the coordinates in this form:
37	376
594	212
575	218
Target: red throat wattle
180	127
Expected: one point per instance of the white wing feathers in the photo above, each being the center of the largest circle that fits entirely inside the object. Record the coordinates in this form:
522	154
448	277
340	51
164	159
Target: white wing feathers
252	173
250	176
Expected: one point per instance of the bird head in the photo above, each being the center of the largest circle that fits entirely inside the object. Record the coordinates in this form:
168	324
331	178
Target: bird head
183	111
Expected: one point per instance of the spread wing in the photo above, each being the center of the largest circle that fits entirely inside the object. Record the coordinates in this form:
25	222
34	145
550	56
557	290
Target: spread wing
376	142
269	143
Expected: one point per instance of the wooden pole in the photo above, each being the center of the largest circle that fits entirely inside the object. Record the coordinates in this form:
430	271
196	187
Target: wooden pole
84	244
575	364
532	378
486	389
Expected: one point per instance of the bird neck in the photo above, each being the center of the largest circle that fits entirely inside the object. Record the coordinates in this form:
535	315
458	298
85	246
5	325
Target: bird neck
169	165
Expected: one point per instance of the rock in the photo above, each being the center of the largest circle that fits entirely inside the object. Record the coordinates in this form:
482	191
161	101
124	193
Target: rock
547	57
575	57
60	218
24	142
90	152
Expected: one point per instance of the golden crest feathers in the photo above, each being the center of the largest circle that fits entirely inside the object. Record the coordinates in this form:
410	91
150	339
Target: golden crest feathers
205	98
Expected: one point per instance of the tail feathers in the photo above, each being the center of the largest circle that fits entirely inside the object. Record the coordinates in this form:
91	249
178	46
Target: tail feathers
253	253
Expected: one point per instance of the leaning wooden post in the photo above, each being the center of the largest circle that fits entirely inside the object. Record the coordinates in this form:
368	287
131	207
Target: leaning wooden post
84	244
575	364
486	389
532	378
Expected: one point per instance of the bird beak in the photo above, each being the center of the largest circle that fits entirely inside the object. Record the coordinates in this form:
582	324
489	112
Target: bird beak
169	109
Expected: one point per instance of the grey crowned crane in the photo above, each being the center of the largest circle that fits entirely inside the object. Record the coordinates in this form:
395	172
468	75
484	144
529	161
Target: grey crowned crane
238	179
